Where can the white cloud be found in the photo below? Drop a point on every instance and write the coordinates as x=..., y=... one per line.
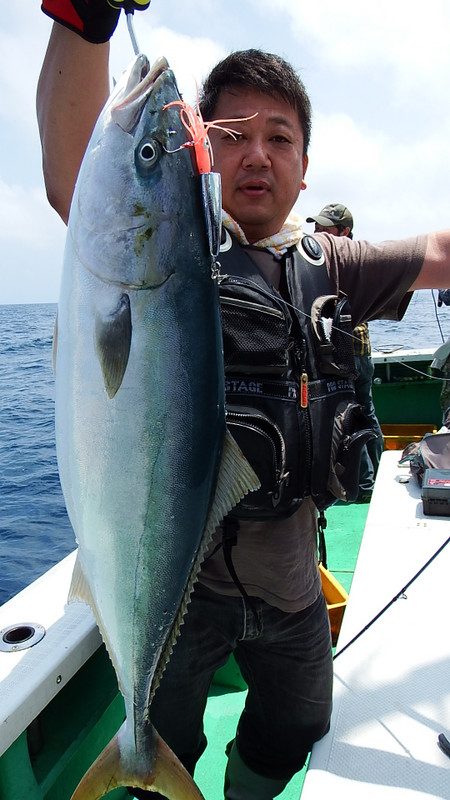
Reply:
x=22, y=48
x=379, y=76
x=32, y=244
x=190, y=57
x=393, y=190
x=27, y=217
x=31, y=234
x=406, y=35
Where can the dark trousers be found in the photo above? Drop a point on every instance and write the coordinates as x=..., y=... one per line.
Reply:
x=286, y=662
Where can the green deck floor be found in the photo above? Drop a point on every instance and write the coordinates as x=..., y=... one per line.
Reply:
x=343, y=536
x=57, y=761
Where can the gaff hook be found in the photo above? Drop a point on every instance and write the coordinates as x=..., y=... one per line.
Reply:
x=130, y=18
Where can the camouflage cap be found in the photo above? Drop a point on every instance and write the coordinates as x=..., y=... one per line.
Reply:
x=333, y=214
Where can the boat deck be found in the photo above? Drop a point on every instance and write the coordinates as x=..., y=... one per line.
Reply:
x=50, y=772
x=392, y=685
x=40, y=765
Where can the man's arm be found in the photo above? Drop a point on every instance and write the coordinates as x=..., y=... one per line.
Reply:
x=72, y=89
x=435, y=272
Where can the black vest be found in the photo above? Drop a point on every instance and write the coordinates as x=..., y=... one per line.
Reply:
x=289, y=382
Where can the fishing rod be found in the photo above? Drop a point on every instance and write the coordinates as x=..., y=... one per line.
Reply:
x=442, y=741
x=436, y=313
x=401, y=593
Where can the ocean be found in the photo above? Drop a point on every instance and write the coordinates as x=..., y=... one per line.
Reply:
x=35, y=532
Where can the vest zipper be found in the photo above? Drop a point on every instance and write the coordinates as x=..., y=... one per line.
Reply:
x=300, y=360
x=236, y=302
x=270, y=293
x=304, y=399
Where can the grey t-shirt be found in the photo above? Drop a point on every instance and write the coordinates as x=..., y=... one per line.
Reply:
x=276, y=560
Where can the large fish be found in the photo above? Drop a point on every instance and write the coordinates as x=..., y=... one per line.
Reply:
x=147, y=467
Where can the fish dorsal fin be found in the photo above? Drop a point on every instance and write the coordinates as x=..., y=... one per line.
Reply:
x=113, y=342
x=235, y=479
x=80, y=591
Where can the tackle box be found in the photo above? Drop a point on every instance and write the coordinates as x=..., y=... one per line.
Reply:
x=436, y=492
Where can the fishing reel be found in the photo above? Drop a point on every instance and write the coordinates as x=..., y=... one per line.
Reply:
x=129, y=6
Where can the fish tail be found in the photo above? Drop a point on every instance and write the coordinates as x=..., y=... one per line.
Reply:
x=166, y=776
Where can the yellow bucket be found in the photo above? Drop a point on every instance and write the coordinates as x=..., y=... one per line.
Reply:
x=336, y=598
x=397, y=436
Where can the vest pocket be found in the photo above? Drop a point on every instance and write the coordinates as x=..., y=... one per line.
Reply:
x=255, y=336
x=350, y=432
x=262, y=443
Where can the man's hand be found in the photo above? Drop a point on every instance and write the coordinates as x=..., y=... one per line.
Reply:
x=93, y=20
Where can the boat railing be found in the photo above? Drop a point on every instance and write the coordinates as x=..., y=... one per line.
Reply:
x=31, y=676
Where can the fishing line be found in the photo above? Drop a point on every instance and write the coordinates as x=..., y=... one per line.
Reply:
x=280, y=299
x=401, y=593
x=437, y=316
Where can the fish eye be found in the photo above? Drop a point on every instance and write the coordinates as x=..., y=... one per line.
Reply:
x=148, y=152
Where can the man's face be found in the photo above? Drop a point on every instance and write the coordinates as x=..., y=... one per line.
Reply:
x=333, y=230
x=262, y=171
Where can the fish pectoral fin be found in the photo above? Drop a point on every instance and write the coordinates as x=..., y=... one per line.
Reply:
x=113, y=342
x=110, y=770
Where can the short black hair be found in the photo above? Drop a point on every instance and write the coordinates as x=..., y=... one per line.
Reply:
x=342, y=228
x=267, y=73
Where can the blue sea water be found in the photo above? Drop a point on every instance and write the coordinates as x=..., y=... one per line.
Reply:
x=35, y=531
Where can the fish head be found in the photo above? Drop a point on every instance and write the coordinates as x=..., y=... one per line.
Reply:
x=138, y=196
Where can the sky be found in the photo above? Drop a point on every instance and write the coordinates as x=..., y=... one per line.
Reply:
x=378, y=75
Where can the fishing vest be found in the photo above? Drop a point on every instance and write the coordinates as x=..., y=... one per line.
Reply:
x=289, y=372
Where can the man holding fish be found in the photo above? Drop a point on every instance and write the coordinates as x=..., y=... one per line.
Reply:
x=289, y=303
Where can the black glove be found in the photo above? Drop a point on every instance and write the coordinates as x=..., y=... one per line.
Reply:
x=444, y=297
x=93, y=20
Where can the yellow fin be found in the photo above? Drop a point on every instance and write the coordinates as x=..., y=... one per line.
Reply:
x=167, y=776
